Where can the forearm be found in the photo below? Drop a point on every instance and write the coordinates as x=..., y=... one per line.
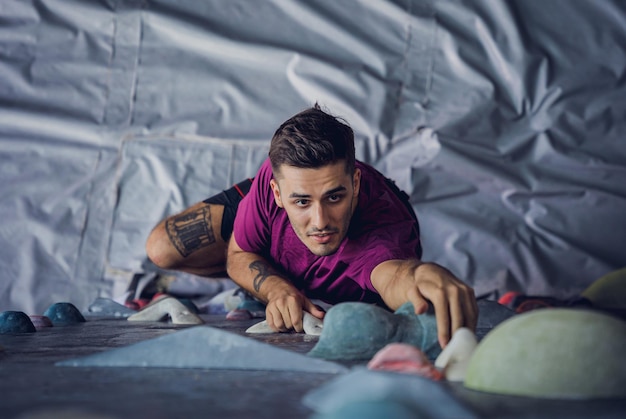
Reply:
x=394, y=279
x=189, y=241
x=255, y=274
x=284, y=302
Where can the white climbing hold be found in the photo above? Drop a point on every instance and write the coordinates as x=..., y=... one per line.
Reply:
x=455, y=357
x=165, y=307
x=311, y=324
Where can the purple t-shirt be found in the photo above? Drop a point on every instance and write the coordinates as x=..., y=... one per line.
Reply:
x=382, y=228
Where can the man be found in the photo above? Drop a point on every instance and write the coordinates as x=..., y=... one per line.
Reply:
x=314, y=224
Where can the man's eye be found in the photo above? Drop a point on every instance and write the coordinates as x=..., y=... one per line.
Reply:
x=334, y=198
x=301, y=202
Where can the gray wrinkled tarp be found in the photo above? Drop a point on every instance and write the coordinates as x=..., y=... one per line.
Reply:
x=504, y=120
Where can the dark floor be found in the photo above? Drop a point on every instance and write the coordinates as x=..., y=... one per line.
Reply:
x=31, y=386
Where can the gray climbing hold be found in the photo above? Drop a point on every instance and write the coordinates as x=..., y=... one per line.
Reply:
x=206, y=347
x=311, y=324
x=164, y=308
x=62, y=314
x=15, y=322
x=491, y=313
x=105, y=307
x=356, y=331
x=425, y=398
x=225, y=301
x=189, y=304
x=260, y=328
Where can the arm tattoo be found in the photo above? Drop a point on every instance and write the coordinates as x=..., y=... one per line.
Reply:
x=190, y=232
x=264, y=270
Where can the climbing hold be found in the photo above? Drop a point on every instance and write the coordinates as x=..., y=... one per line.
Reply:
x=356, y=331
x=609, y=291
x=62, y=314
x=189, y=304
x=209, y=348
x=424, y=398
x=106, y=307
x=251, y=305
x=40, y=322
x=238, y=314
x=455, y=357
x=15, y=322
x=311, y=325
x=371, y=409
x=404, y=358
x=553, y=353
x=164, y=308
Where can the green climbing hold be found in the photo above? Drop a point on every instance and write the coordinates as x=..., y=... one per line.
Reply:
x=553, y=353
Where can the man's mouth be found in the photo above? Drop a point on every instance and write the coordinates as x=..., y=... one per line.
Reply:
x=322, y=238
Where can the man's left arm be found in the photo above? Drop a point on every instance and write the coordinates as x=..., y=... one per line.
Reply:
x=400, y=281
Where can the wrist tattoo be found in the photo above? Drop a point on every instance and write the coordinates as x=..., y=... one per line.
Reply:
x=264, y=271
x=190, y=232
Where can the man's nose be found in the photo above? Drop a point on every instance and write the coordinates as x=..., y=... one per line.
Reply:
x=320, y=217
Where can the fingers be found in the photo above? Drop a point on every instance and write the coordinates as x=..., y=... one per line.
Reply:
x=269, y=318
x=277, y=319
x=315, y=310
x=295, y=317
x=284, y=315
x=420, y=305
x=454, y=303
x=471, y=309
x=463, y=306
x=457, y=309
x=439, y=299
x=442, y=315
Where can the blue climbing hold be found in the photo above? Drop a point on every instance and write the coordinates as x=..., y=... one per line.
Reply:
x=251, y=305
x=15, y=322
x=356, y=331
x=62, y=314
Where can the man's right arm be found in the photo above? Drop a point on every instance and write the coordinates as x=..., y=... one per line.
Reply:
x=189, y=241
x=284, y=301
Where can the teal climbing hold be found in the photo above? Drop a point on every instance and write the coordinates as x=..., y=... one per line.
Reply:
x=61, y=314
x=15, y=322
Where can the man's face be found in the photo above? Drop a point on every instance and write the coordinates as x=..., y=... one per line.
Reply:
x=319, y=203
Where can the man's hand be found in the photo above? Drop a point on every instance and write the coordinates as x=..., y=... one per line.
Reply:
x=454, y=302
x=284, y=302
x=284, y=308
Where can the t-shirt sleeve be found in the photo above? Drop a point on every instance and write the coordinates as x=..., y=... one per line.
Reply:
x=252, y=221
x=386, y=231
x=389, y=242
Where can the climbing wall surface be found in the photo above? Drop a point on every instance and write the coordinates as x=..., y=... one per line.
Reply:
x=504, y=121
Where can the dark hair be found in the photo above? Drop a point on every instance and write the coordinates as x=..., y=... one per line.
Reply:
x=312, y=139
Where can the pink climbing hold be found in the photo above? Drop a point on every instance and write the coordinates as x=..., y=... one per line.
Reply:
x=239, y=314
x=404, y=358
x=41, y=322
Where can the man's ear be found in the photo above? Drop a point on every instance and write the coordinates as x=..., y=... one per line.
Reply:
x=356, y=182
x=276, y=191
